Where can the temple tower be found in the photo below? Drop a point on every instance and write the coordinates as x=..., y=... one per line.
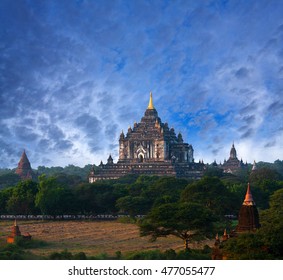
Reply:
x=151, y=147
x=24, y=168
x=233, y=164
x=248, y=216
x=151, y=140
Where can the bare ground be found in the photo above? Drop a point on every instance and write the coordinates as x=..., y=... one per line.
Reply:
x=91, y=237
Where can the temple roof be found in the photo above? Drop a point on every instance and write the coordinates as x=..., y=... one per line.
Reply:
x=24, y=168
x=24, y=158
x=249, y=198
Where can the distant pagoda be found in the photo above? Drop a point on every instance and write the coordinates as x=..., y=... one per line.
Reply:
x=150, y=147
x=248, y=219
x=233, y=164
x=24, y=168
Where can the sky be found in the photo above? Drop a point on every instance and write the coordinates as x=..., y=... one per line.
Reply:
x=74, y=74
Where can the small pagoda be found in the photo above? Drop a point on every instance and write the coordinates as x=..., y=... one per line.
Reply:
x=248, y=220
x=17, y=233
x=24, y=169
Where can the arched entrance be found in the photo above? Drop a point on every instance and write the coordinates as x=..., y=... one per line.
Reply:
x=141, y=158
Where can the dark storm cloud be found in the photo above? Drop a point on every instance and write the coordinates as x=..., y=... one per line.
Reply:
x=216, y=139
x=127, y=114
x=270, y=144
x=242, y=73
x=25, y=134
x=44, y=145
x=95, y=145
x=111, y=131
x=251, y=107
x=7, y=148
x=4, y=130
x=113, y=148
x=63, y=145
x=250, y=119
x=105, y=103
x=9, y=154
x=276, y=107
x=89, y=124
x=249, y=132
x=54, y=132
x=215, y=151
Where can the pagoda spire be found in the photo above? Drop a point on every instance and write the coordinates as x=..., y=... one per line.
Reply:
x=249, y=198
x=24, y=169
x=150, y=104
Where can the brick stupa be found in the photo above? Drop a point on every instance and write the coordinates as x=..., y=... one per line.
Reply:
x=16, y=233
x=248, y=220
x=24, y=168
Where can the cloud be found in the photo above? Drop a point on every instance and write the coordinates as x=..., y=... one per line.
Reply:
x=276, y=107
x=25, y=134
x=242, y=73
x=89, y=124
x=270, y=144
x=248, y=133
x=63, y=145
x=111, y=131
x=75, y=73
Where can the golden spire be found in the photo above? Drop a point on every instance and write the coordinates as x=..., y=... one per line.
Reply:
x=150, y=104
x=248, y=198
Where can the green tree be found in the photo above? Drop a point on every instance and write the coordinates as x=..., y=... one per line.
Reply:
x=264, y=182
x=213, y=171
x=132, y=205
x=187, y=221
x=164, y=190
x=211, y=192
x=97, y=198
x=9, y=179
x=262, y=174
x=272, y=224
x=4, y=197
x=246, y=246
x=53, y=198
x=22, y=200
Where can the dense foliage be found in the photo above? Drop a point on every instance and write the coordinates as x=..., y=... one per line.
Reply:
x=184, y=208
x=184, y=220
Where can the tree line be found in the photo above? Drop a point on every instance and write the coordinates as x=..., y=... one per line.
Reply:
x=184, y=208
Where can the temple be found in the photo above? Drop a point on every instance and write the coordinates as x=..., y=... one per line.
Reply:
x=24, y=168
x=248, y=219
x=150, y=147
x=233, y=164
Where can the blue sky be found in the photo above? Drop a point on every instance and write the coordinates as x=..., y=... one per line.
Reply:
x=73, y=74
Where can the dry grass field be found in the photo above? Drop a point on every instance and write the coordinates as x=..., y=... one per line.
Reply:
x=91, y=237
